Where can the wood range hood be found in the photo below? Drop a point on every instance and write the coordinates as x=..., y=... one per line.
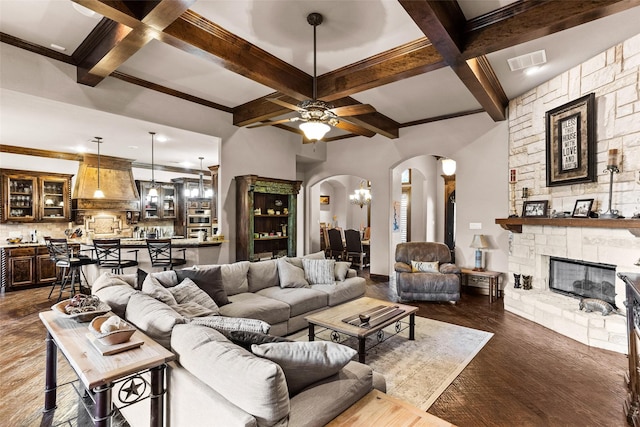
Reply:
x=116, y=182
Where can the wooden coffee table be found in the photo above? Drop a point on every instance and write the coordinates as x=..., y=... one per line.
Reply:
x=380, y=409
x=333, y=319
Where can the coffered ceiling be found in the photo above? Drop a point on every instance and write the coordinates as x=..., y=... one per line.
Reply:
x=413, y=61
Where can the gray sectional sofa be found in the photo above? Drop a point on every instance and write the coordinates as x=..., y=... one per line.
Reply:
x=199, y=313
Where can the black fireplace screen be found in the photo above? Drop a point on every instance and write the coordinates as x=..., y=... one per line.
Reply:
x=582, y=279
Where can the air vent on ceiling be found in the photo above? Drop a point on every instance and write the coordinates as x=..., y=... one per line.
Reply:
x=528, y=60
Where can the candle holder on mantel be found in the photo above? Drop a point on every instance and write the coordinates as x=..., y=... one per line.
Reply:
x=512, y=184
x=612, y=168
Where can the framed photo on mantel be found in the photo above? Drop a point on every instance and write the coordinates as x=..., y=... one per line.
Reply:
x=571, y=142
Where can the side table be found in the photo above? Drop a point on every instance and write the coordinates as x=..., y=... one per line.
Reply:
x=98, y=373
x=490, y=277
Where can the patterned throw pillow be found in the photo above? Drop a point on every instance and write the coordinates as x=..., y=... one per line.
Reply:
x=319, y=271
x=425, y=266
x=227, y=324
x=188, y=291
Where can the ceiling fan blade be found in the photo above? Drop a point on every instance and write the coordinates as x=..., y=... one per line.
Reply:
x=358, y=130
x=285, y=104
x=353, y=110
x=274, y=122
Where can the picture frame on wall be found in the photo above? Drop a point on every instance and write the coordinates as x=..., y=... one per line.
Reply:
x=582, y=208
x=535, y=209
x=570, y=142
x=324, y=200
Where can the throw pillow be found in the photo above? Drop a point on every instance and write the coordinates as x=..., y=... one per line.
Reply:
x=188, y=291
x=209, y=280
x=315, y=255
x=152, y=287
x=234, y=277
x=262, y=274
x=228, y=324
x=290, y=275
x=424, y=266
x=141, y=275
x=319, y=271
x=190, y=309
x=245, y=339
x=305, y=363
x=341, y=270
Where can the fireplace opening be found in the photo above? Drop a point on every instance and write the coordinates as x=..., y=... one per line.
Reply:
x=581, y=279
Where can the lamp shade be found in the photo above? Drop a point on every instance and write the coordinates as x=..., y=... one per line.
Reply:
x=314, y=130
x=479, y=242
x=448, y=166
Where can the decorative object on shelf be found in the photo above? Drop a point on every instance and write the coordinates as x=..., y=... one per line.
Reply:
x=571, y=144
x=612, y=167
x=535, y=209
x=278, y=203
x=526, y=282
x=153, y=191
x=582, y=208
x=361, y=196
x=324, y=200
x=479, y=242
x=516, y=281
x=512, y=183
x=98, y=194
x=318, y=116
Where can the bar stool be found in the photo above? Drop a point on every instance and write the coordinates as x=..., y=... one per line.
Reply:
x=108, y=255
x=161, y=255
x=71, y=265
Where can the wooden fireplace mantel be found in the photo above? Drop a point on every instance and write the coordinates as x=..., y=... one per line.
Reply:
x=515, y=224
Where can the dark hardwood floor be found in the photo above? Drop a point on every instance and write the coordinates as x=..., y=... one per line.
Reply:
x=526, y=375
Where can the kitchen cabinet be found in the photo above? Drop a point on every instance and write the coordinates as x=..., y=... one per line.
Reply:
x=266, y=211
x=29, y=196
x=27, y=266
x=162, y=206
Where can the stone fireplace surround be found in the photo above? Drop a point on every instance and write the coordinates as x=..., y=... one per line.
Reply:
x=529, y=254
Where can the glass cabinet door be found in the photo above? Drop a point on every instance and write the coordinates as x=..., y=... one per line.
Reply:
x=168, y=201
x=21, y=200
x=149, y=203
x=53, y=200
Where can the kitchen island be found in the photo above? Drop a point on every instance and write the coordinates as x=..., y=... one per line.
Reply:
x=28, y=264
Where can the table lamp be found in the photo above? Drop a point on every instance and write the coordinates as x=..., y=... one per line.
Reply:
x=479, y=242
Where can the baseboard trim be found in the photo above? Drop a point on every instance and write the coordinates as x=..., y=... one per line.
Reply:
x=379, y=277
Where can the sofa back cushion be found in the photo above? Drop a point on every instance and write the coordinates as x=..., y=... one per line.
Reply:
x=422, y=251
x=152, y=317
x=263, y=274
x=115, y=290
x=256, y=385
x=234, y=277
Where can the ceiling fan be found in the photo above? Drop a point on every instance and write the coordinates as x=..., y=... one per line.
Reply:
x=318, y=116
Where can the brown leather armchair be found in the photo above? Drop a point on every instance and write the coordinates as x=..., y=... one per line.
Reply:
x=442, y=284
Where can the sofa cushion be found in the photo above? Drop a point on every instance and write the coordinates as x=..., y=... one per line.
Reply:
x=304, y=363
x=299, y=300
x=351, y=288
x=209, y=279
x=318, y=405
x=234, y=277
x=188, y=291
x=114, y=290
x=256, y=385
x=424, y=266
x=263, y=274
x=341, y=269
x=246, y=339
x=153, y=317
x=256, y=306
x=319, y=271
x=152, y=287
x=190, y=309
x=290, y=275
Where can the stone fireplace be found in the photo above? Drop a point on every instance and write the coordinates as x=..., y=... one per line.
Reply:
x=582, y=279
x=530, y=254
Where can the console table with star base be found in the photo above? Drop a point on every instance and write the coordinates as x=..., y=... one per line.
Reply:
x=98, y=374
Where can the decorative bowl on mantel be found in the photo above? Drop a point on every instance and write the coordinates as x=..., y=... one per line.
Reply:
x=14, y=240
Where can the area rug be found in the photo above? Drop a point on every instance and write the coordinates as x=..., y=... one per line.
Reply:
x=419, y=371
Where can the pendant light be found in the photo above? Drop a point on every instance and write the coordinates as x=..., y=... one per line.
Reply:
x=153, y=191
x=98, y=194
x=201, y=180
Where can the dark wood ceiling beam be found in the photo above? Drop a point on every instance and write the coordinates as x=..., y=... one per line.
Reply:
x=402, y=62
x=524, y=21
x=443, y=23
x=261, y=109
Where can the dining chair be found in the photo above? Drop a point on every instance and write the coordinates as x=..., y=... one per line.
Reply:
x=108, y=255
x=336, y=247
x=355, y=252
x=161, y=254
x=71, y=265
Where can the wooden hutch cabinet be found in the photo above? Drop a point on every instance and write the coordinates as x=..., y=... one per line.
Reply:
x=266, y=217
x=162, y=206
x=35, y=196
x=27, y=266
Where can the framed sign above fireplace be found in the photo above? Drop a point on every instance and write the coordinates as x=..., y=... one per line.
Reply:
x=571, y=144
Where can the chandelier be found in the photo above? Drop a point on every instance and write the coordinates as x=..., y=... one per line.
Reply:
x=361, y=196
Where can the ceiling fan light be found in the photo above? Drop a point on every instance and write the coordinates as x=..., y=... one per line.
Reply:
x=314, y=131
